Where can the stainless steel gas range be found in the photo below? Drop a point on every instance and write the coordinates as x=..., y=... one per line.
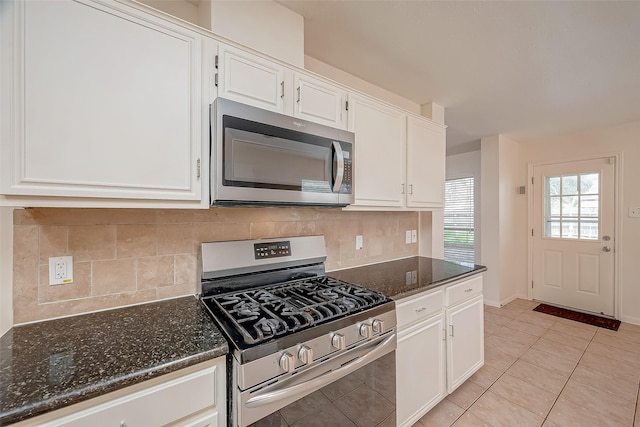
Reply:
x=292, y=329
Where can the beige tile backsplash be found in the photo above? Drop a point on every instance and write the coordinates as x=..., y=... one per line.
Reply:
x=128, y=256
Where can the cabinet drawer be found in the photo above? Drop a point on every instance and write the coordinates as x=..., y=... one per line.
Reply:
x=411, y=310
x=157, y=405
x=464, y=290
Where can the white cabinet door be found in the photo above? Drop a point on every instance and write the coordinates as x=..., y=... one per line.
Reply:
x=252, y=80
x=425, y=163
x=107, y=103
x=465, y=341
x=420, y=370
x=379, y=152
x=319, y=101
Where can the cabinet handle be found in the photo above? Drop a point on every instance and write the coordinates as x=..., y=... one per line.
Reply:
x=410, y=188
x=298, y=100
x=282, y=87
x=421, y=309
x=451, y=327
x=402, y=189
x=468, y=290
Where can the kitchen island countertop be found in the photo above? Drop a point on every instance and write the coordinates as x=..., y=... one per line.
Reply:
x=408, y=276
x=52, y=364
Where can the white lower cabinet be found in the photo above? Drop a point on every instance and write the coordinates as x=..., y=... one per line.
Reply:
x=440, y=345
x=420, y=369
x=194, y=397
x=465, y=341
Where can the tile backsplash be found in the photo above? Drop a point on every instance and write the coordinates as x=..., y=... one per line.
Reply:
x=128, y=256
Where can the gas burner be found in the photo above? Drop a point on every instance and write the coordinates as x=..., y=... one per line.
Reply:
x=271, y=311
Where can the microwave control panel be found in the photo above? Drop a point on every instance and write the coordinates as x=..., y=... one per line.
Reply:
x=272, y=249
x=348, y=177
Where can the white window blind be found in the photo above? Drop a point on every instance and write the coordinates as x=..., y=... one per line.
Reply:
x=459, y=240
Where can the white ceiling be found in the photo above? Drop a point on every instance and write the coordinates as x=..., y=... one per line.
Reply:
x=520, y=68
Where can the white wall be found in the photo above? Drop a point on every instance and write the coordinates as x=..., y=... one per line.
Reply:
x=265, y=26
x=624, y=139
x=462, y=166
x=501, y=246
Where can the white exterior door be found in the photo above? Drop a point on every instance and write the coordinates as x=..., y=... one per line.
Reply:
x=573, y=234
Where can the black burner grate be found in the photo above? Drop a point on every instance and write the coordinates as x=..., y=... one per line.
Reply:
x=268, y=312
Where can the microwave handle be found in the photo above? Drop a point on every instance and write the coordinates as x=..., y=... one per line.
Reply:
x=338, y=155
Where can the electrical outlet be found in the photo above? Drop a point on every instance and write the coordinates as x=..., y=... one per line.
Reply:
x=359, y=242
x=414, y=236
x=60, y=270
x=407, y=238
x=634, y=212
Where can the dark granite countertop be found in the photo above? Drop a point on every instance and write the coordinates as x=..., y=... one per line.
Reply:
x=52, y=364
x=405, y=277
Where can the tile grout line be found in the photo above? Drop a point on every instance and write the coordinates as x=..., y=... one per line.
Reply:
x=568, y=379
x=501, y=375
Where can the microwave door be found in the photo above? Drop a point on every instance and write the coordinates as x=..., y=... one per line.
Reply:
x=264, y=168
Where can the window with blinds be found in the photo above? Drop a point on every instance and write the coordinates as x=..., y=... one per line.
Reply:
x=458, y=221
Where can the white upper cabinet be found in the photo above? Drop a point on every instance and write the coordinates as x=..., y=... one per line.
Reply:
x=385, y=177
x=379, y=153
x=107, y=103
x=425, y=163
x=253, y=80
x=262, y=83
x=319, y=101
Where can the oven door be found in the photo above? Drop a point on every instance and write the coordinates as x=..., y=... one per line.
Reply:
x=358, y=383
x=264, y=157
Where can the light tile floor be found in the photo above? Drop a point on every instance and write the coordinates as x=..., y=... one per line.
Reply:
x=545, y=370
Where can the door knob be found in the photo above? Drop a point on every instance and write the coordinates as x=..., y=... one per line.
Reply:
x=606, y=249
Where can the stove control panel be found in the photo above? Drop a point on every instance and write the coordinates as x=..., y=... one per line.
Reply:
x=272, y=249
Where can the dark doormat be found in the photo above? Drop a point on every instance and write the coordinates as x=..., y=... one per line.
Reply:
x=590, y=319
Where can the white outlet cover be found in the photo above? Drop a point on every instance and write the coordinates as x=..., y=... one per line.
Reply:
x=60, y=270
x=359, y=242
x=634, y=212
x=414, y=236
x=407, y=238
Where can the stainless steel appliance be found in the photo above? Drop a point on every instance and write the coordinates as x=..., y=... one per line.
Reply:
x=292, y=330
x=262, y=157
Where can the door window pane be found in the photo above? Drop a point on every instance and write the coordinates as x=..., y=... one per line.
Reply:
x=589, y=206
x=554, y=206
x=570, y=184
x=553, y=186
x=569, y=206
x=589, y=183
x=572, y=206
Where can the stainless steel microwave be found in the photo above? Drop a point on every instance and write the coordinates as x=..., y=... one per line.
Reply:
x=262, y=157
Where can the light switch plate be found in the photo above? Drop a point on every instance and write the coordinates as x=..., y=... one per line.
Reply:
x=407, y=238
x=359, y=242
x=414, y=236
x=634, y=212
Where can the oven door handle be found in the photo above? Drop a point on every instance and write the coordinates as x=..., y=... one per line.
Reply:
x=301, y=386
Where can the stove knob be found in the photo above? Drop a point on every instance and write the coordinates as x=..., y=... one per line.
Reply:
x=338, y=341
x=378, y=326
x=305, y=354
x=287, y=362
x=365, y=330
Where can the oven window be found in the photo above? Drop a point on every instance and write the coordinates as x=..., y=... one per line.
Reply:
x=366, y=397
